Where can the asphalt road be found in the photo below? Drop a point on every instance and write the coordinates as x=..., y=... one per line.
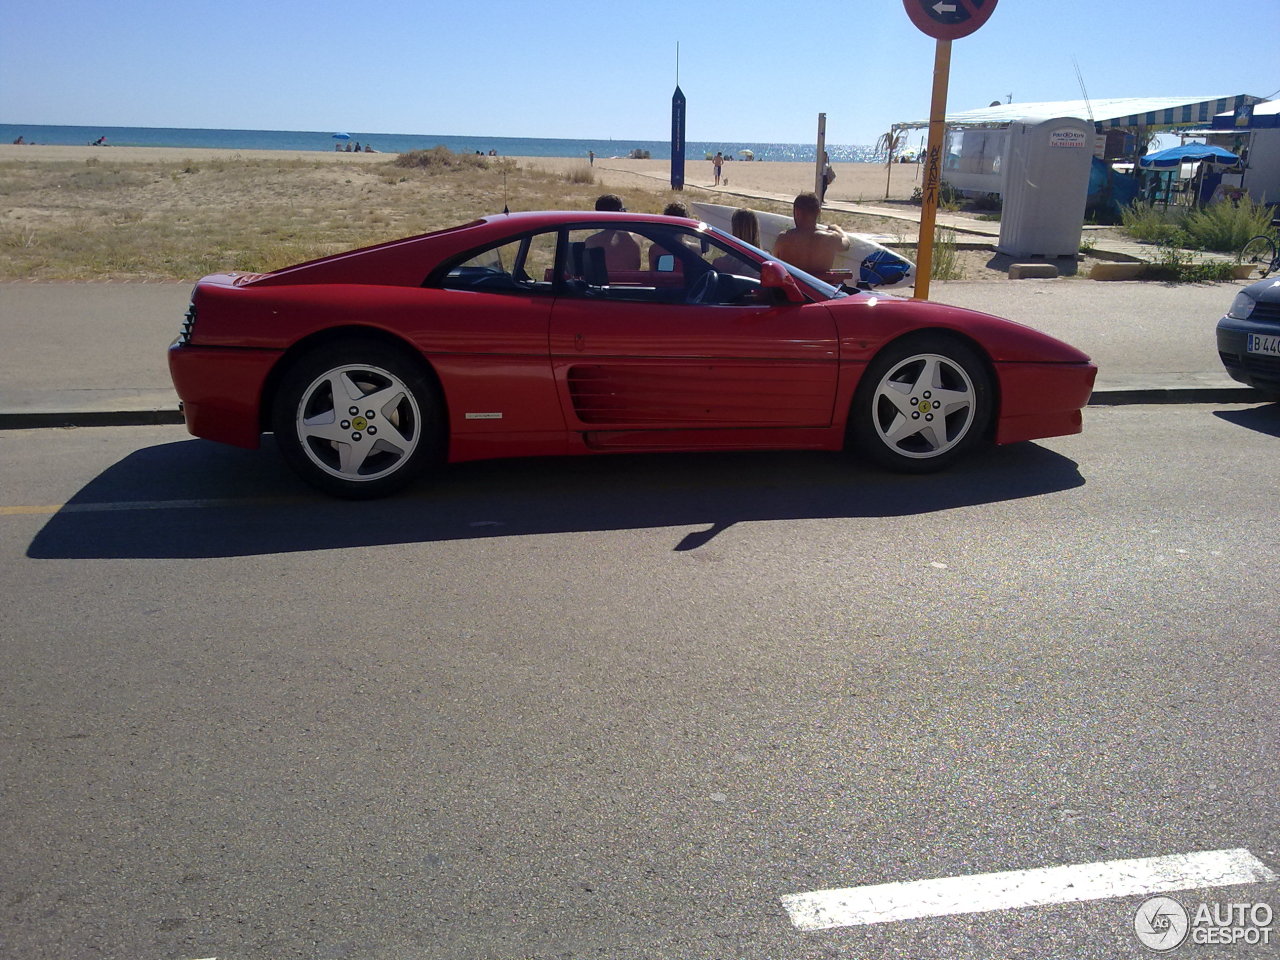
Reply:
x=620, y=707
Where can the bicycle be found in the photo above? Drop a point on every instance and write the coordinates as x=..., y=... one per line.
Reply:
x=1261, y=252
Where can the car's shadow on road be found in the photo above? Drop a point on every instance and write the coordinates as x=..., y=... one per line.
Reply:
x=197, y=499
x=1264, y=419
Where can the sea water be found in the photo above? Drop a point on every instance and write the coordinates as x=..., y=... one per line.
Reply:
x=403, y=142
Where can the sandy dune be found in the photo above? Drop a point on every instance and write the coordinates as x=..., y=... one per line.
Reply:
x=854, y=181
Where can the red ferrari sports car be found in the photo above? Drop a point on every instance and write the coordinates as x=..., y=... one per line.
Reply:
x=531, y=334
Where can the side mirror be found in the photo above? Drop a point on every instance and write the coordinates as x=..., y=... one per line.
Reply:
x=667, y=263
x=774, y=276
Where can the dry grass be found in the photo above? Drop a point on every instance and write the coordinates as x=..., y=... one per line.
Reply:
x=89, y=220
x=170, y=219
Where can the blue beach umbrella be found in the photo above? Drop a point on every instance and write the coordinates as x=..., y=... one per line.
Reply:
x=342, y=136
x=1187, y=153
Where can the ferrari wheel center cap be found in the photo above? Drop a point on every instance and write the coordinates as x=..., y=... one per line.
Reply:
x=359, y=423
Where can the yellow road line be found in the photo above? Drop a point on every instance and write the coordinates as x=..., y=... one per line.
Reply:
x=118, y=506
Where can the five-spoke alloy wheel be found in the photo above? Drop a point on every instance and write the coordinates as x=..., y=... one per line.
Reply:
x=921, y=404
x=357, y=419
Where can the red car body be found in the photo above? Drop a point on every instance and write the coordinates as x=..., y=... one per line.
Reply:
x=545, y=363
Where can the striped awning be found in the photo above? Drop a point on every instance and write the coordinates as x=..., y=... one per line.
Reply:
x=1178, y=115
x=1150, y=112
x=1262, y=116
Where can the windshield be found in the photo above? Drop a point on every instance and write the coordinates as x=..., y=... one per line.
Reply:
x=820, y=286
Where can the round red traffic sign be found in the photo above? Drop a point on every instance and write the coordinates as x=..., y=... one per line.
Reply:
x=949, y=19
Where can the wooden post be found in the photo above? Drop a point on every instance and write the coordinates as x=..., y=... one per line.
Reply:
x=933, y=167
x=822, y=149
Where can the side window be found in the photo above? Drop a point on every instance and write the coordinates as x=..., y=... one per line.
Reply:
x=605, y=256
x=523, y=266
x=725, y=261
x=655, y=263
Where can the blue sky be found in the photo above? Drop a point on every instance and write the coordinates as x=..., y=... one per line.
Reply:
x=752, y=71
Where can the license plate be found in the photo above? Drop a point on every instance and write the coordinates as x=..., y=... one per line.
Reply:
x=1268, y=345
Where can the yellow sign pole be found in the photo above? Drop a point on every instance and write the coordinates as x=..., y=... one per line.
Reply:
x=933, y=167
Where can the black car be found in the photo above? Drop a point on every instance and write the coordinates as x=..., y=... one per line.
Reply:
x=1249, y=336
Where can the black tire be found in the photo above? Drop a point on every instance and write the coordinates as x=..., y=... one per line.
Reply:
x=1260, y=252
x=922, y=403
x=395, y=431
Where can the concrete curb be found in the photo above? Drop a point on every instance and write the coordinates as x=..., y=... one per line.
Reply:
x=22, y=420
x=1117, y=396
x=1106, y=397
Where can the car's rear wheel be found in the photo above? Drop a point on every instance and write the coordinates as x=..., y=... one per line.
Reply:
x=922, y=403
x=357, y=419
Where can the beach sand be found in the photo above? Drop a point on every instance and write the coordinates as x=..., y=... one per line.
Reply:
x=314, y=208
x=54, y=152
x=854, y=181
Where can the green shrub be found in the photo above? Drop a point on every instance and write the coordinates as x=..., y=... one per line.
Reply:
x=580, y=175
x=1227, y=226
x=949, y=198
x=1143, y=221
x=439, y=158
x=946, y=262
x=1178, y=266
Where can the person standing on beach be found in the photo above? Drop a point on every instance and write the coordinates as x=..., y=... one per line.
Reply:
x=717, y=162
x=810, y=247
x=828, y=175
x=591, y=158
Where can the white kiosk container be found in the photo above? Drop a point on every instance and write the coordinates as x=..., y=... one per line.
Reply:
x=1046, y=185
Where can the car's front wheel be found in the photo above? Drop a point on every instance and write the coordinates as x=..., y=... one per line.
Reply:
x=357, y=419
x=921, y=404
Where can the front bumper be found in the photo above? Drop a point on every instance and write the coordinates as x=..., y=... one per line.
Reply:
x=1039, y=400
x=221, y=390
x=1259, y=371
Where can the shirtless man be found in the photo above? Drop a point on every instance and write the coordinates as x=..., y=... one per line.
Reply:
x=621, y=252
x=811, y=248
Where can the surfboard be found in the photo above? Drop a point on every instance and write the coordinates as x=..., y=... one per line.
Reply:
x=868, y=258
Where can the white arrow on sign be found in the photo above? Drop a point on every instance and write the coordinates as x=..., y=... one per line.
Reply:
x=941, y=8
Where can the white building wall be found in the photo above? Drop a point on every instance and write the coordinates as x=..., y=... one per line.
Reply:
x=1262, y=176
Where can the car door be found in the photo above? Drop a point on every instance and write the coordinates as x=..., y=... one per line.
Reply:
x=487, y=338
x=683, y=346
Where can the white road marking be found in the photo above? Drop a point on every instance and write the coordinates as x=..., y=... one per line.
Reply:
x=887, y=902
